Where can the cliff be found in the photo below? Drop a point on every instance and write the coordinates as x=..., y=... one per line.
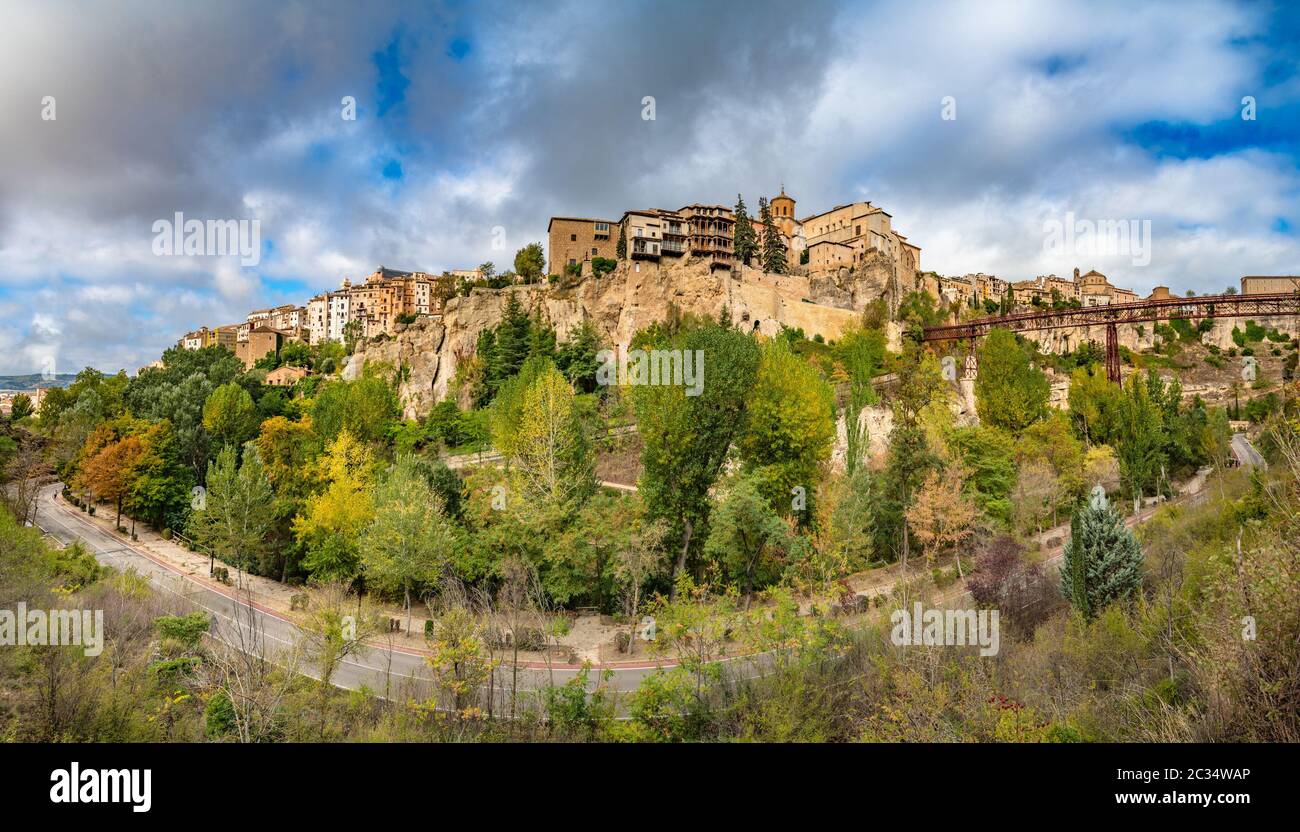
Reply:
x=619, y=304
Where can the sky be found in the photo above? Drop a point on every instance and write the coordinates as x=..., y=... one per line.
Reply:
x=975, y=125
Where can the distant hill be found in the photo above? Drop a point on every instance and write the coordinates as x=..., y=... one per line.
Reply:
x=35, y=380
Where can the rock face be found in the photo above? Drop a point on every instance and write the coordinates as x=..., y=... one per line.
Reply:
x=416, y=352
x=1220, y=335
x=618, y=304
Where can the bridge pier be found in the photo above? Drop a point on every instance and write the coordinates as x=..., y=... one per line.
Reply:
x=1112, y=353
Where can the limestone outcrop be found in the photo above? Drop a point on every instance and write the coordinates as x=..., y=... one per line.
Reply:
x=416, y=353
x=618, y=304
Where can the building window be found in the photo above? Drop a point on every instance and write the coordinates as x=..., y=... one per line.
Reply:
x=573, y=238
x=595, y=250
x=602, y=227
x=572, y=261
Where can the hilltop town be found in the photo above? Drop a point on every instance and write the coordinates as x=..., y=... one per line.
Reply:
x=772, y=270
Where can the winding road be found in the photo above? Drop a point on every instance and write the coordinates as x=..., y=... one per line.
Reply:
x=393, y=671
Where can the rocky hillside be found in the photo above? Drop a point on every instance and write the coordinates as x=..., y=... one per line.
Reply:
x=619, y=304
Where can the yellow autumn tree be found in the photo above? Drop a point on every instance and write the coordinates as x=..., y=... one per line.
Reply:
x=331, y=523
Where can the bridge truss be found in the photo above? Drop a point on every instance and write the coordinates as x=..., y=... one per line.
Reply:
x=1162, y=309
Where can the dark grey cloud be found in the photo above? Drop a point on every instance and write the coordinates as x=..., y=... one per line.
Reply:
x=510, y=112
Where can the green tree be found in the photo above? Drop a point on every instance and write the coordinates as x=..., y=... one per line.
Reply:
x=507, y=409
x=920, y=309
x=458, y=660
x=1010, y=392
x=410, y=540
x=852, y=526
x=747, y=538
x=1052, y=441
x=20, y=408
x=774, y=254
x=790, y=429
x=910, y=455
x=1094, y=405
x=1141, y=438
x=620, y=248
x=550, y=451
x=578, y=358
x=365, y=408
x=686, y=439
x=1103, y=561
x=235, y=516
x=989, y=454
x=160, y=488
x=529, y=262
x=504, y=348
x=744, y=243
x=230, y=416
x=640, y=559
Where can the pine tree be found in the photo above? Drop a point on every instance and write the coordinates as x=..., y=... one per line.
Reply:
x=745, y=243
x=1103, y=561
x=620, y=251
x=773, y=247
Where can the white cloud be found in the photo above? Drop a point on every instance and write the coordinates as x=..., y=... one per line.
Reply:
x=234, y=113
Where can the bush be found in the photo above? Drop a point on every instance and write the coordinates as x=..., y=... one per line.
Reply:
x=943, y=578
x=186, y=629
x=219, y=716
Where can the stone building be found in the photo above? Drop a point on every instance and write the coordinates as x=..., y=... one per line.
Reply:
x=262, y=341
x=1269, y=284
x=571, y=241
x=849, y=233
x=864, y=228
x=644, y=231
x=827, y=256
x=318, y=316
x=286, y=376
x=375, y=306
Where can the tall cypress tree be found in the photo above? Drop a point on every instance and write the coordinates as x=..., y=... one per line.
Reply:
x=773, y=247
x=745, y=243
x=510, y=345
x=1103, y=561
x=620, y=251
